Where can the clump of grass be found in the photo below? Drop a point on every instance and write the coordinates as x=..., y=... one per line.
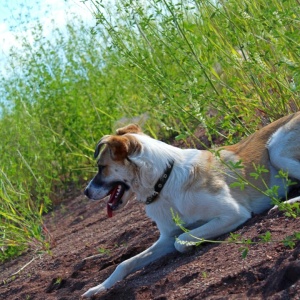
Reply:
x=54, y=110
x=229, y=66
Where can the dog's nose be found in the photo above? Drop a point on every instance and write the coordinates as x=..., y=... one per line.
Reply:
x=86, y=192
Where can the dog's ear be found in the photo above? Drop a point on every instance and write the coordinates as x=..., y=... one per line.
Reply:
x=99, y=146
x=120, y=147
x=131, y=128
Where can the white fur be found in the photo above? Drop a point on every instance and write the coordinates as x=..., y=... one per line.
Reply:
x=198, y=191
x=284, y=150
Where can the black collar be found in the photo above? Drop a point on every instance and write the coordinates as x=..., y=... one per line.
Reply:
x=160, y=183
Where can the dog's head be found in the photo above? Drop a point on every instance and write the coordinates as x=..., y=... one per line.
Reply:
x=116, y=172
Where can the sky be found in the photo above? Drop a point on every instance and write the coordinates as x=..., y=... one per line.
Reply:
x=51, y=13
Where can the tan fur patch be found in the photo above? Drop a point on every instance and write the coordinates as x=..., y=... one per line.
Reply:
x=131, y=128
x=205, y=175
x=121, y=146
x=252, y=151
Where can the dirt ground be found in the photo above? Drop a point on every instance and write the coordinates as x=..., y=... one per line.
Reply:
x=87, y=246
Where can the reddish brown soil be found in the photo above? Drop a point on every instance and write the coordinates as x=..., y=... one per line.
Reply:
x=87, y=246
x=81, y=230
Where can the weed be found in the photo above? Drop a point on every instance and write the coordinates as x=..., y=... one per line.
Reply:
x=104, y=251
x=58, y=281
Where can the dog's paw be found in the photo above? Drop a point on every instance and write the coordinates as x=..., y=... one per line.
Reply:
x=93, y=291
x=184, y=244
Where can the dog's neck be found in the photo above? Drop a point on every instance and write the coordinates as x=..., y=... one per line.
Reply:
x=160, y=183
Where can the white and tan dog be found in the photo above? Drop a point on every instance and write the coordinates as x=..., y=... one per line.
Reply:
x=193, y=184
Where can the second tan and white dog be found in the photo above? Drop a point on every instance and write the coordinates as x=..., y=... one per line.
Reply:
x=193, y=184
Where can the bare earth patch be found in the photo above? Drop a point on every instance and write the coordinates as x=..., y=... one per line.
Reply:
x=81, y=230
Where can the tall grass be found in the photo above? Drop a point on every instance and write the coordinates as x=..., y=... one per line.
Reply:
x=229, y=66
x=58, y=101
x=224, y=65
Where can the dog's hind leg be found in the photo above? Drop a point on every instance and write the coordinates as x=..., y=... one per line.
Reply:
x=162, y=247
x=284, y=148
x=284, y=151
x=290, y=201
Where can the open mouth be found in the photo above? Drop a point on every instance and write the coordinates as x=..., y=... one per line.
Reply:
x=115, y=198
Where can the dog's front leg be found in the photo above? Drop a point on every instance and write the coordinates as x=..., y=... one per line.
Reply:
x=211, y=229
x=162, y=247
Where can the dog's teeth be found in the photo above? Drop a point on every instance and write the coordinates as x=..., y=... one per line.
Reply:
x=118, y=191
x=110, y=204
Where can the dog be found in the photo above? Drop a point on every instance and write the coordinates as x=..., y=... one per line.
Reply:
x=195, y=185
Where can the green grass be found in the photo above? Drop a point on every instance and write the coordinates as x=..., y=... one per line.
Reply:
x=229, y=67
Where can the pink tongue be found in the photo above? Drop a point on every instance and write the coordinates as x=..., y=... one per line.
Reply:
x=111, y=201
x=109, y=211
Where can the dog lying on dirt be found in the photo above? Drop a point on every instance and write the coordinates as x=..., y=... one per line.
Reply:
x=195, y=185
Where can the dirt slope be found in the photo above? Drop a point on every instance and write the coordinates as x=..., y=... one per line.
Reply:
x=87, y=246
x=81, y=229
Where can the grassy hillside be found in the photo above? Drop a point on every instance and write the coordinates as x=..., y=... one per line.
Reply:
x=229, y=67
